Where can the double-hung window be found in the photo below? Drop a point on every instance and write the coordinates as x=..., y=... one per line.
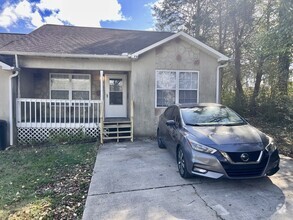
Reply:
x=176, y=87
x=70, y=86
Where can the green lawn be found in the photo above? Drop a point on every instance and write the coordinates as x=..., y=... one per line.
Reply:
x=49, y=182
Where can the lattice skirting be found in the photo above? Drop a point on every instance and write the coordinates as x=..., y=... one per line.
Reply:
x=40, y=135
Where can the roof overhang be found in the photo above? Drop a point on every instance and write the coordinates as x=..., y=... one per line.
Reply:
x=188, y=38
x=5, y=66
x=63, y=55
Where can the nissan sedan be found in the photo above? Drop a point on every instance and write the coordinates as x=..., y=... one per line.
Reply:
x=212, y=140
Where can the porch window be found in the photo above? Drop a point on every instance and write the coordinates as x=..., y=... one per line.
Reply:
x=176, y=87
x=70, y=86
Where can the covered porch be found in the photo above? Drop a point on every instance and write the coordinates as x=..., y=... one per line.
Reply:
x=51, y=102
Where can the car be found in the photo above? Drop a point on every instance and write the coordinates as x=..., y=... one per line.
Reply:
x=211, y=140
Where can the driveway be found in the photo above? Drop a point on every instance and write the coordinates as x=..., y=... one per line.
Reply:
x=140, y=181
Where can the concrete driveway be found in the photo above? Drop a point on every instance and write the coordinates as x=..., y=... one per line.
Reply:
x=140, y=181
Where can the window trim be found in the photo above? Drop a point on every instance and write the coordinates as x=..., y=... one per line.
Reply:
x=70, y=89
x=177, y=85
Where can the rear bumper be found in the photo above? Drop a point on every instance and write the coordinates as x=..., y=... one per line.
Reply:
x=217, y=166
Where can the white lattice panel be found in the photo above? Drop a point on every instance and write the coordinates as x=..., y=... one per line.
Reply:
x=39, y=135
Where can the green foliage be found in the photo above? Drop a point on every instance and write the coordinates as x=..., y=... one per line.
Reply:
x=270, y=107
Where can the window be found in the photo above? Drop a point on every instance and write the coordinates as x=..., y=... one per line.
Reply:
x=176, y=87
x=116, y=91
x=70, y=86
x=166, y=88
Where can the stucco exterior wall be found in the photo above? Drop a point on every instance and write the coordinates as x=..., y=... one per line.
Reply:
x=4, y=97
x=174, y=55
x=35, y=83
x=27, y=84
x=143, y=94
x=74, y=63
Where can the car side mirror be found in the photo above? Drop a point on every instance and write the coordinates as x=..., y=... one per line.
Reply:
x=170, y=123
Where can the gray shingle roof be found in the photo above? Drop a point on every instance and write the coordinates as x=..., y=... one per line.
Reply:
x=6, y=38
x=84, y=40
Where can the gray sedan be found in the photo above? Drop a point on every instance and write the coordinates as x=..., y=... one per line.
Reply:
x=213, y=141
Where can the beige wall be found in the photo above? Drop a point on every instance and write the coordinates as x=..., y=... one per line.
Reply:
x=4, y=97
x=74, y=63
x=143, y=94
x=174, y=55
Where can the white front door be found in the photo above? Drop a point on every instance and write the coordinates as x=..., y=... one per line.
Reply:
x=115, y=95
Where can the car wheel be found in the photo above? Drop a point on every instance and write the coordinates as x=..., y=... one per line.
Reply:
x=181, y=163
x=159, y=140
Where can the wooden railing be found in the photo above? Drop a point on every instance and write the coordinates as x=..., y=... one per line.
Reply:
x=54, y=113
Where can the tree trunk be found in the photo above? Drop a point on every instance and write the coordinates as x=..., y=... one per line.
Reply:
x=283, y=77
x=237, y=72
x=284, y=54
x=259, y=74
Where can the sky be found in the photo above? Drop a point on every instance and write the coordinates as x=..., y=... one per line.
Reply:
x=24, y=16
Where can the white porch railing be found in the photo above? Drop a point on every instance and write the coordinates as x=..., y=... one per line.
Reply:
x=57, y=113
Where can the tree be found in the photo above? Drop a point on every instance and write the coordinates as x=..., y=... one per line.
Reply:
x=191, y=16
x=284, y=34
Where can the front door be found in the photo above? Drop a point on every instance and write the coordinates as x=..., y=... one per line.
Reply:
x=115, y=95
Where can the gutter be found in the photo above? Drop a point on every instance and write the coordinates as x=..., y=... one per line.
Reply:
x=218, y=82
x=123, y=56
x=11, y=99
x=4, y=66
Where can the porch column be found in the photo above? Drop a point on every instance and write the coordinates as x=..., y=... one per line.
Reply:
x=102, y=85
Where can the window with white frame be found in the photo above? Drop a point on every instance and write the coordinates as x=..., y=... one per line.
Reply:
x=70, y=86
x=176, y=87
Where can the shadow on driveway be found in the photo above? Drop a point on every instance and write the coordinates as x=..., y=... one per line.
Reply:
x=140, y=181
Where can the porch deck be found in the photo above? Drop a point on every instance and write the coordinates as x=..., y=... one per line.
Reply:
x=37, y=119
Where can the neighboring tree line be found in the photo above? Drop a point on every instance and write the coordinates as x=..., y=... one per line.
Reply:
x=256, y=34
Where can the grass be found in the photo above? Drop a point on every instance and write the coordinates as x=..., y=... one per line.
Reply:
x=45, y=182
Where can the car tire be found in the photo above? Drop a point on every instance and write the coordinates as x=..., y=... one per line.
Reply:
x=181, y=163
x=159, y=140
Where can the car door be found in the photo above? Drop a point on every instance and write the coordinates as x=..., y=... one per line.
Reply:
x=173, y=131
x=164, y=132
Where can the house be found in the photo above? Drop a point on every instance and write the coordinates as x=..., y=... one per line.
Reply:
x=103, y=81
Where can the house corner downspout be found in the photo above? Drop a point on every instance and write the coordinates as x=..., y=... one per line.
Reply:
x=11, y=99
x=218, y=82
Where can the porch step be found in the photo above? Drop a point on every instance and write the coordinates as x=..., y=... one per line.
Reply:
x=117, y=130
x=118, y=126
x=115, y=138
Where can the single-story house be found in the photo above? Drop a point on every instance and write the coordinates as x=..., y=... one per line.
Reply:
x=106, y=82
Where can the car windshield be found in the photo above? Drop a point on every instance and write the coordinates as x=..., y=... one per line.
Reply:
x=210, y=115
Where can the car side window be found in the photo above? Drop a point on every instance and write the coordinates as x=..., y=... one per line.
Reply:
x=168, y=113
x=176, y=116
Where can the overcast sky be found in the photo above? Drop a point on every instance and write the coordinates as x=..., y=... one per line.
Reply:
x=23, y=16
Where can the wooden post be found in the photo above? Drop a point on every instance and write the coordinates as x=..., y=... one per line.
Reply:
x=102, y=122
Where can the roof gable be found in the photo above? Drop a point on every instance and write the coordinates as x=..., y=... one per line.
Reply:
x=188, y=38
